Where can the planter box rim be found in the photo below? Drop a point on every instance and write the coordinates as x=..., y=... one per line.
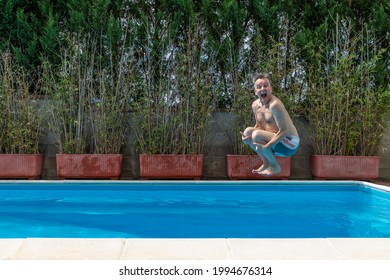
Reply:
x=187, y=155
x=87, y=154
x=234, y=155
x=343, y=156
x=15, y=154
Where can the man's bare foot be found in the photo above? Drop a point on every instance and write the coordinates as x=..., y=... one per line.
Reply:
x=260, y=169
x=272, y=170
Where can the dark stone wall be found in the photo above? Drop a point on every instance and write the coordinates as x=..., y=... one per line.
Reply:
x=217, y=146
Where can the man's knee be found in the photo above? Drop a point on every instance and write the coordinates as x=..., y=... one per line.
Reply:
x=249, y=131
x=257, y=135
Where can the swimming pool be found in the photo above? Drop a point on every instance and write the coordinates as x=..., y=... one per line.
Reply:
x=193, y=209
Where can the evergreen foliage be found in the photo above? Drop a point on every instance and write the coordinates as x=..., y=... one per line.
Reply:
x=307, y=45
x=20, y=125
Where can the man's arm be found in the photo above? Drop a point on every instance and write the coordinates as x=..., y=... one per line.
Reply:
x=247, y=139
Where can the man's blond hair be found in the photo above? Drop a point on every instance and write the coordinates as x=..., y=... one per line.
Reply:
x=262, y=76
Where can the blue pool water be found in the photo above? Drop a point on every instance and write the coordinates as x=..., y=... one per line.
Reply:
x=193, y=209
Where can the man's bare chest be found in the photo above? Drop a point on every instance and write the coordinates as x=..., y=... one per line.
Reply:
x=264, y=116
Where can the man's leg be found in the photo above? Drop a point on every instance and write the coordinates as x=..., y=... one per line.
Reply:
x=273, y=165
x=260, y=137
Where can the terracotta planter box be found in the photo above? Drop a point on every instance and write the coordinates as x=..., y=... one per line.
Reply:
x=97, y=166
x=21, y=166
x=170, y=166
x=241, y=166
x=345, y=167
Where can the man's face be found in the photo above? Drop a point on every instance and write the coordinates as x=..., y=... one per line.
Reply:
x=263, y=89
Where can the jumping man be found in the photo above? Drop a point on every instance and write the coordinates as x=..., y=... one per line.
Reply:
x=274, y=132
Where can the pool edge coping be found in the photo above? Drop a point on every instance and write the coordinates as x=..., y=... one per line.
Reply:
x=196, y=249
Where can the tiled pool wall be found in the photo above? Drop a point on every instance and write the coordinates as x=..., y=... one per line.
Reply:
x=217, y=146
x=217, y=184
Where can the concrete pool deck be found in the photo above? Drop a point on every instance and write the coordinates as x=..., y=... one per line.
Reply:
x=195, y=249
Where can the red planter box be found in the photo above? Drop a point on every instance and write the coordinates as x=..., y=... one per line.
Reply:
x=96, y=166
x=241, y=166
x=345, y=167
x=170, y=166
x=21, y=166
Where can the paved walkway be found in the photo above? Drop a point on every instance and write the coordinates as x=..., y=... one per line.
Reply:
x=195, y=249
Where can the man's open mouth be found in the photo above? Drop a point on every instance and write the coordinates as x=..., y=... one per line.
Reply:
x=263, y=95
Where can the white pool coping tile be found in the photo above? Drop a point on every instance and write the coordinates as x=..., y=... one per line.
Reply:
x=9, y=247
x=195, y=249
x=69, y=249
x=282, y=249
x=177, y=249
x=362, y=248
